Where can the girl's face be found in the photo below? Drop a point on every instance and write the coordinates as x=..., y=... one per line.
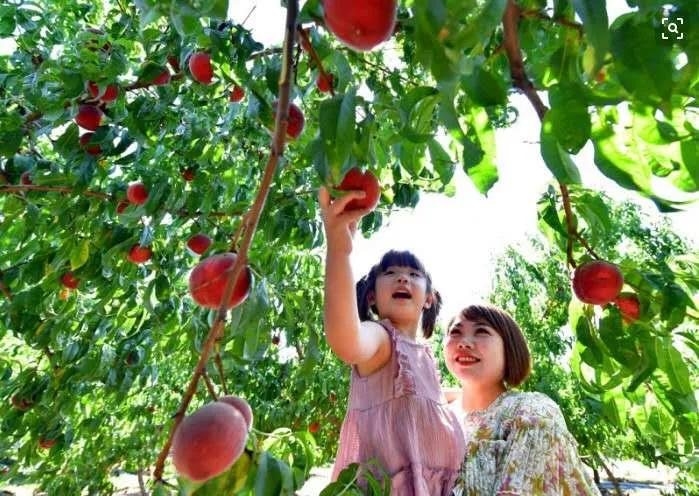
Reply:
x=400, y=294
x=475, y=353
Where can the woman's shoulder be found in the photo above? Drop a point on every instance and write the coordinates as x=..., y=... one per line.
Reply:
x=533, y=407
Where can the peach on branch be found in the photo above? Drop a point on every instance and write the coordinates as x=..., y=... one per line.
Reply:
x=325, y=84
x=26, y=178
x=241, y=405
x=209, y=441
x=208, y=280
x=89, y=117
x=296, y=120
x=188, y=174
x=237, y=94
x=200, y=67
x=199, y=243
x=111, y=92
x=629, y=307
x=139, y=254
x=20, y=403
x=70, y=281
x=46, y=443
x=314, y=427
x=360, y=24
x=137, y=193
x=364, y=181
x=121, y=206
x=91, y=149
x=597, y=282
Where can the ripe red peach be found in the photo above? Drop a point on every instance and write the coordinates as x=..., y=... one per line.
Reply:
x=208, y=280
x=360, y=24
x=209, y=441
x=597, y=282
x=200, y=67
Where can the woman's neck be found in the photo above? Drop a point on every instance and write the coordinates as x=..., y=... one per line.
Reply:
x=475, y=398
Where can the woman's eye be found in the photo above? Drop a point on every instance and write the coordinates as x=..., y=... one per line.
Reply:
x=482, y=331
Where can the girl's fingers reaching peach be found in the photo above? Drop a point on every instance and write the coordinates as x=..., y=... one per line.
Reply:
x=338, y=205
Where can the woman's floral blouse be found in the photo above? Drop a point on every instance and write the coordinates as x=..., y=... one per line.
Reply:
x=520, y=445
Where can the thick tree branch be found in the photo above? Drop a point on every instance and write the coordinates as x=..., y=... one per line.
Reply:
x=251, y=221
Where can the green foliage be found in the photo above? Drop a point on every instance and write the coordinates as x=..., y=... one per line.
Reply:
x=632, y=393
x=104, y=367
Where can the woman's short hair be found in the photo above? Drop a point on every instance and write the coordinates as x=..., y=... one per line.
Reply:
x=367, y=284
x=517, y=356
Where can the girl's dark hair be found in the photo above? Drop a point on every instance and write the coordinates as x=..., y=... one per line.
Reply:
x=367, y=284
x=517, y=357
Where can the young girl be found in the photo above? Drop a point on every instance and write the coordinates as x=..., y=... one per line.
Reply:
x=396, y=412
x=516, y=443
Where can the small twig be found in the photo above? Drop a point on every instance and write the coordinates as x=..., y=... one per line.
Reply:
x=248, y=16
x=4, y=289
x=299, y=351
x=56, y=189
x=559, y=20
x=314, y=56
x=569, y=221
x=587, y=246
x=209, y=385
x=219, y=367
x=238, y=232
x=264, y=53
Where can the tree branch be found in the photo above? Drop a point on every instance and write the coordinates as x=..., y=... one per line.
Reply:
x=314, y=56
x=559, y=20
x=251, y=219
x=222, y=375
x=520, y=80
x=56, y=189
x=510, y=22
x=4, y=289
x=209, y=385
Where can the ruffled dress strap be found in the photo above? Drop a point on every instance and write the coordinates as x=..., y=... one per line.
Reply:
x=404, y=383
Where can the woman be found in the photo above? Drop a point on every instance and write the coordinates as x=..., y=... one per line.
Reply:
x=517, y=443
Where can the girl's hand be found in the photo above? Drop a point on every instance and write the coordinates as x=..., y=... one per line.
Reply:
x=340, y=226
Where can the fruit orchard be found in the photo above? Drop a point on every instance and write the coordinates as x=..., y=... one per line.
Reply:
x=161, y=248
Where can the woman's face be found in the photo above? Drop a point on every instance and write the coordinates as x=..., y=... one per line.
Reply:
x=475, y=353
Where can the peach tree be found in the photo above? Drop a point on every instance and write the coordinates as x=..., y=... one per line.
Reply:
x=140, y=140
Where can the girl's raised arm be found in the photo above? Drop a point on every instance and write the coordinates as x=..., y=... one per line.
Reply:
x=351, y=342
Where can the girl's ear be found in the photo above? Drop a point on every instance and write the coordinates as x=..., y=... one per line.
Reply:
x=371, y=298
x=428, y=301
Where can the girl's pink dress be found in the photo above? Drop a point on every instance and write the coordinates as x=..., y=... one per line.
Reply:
x=399, y=416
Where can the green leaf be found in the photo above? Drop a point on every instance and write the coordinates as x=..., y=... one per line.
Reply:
x=79, y=254
x=595, y=24
x=479, y=161
x=442, y=162
x=268, y=480
x=10, y=141
x=555, y=158
x=337, y=131
x=674, y=365
x=484, y=88
x=645, y=65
